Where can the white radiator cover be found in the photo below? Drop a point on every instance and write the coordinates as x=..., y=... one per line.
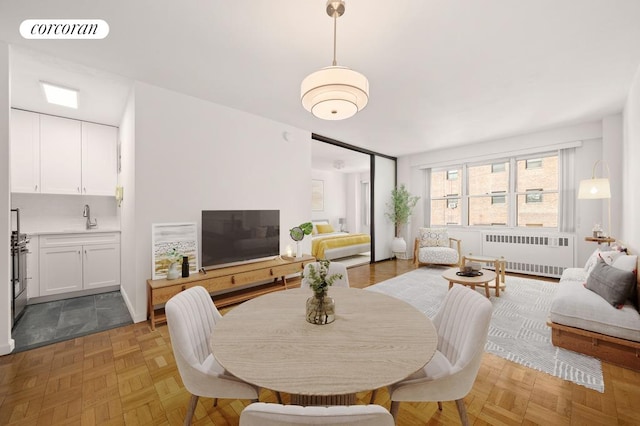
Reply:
x=545, y=255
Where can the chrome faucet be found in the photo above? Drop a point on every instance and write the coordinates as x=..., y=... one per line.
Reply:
x=86, y=212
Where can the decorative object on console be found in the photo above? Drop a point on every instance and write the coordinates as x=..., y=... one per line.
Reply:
x=170, y=242
x=335, y=92
x=399, y=211
x=174, y=256
x=297, y=234
x=597, y=189
x=185, y=266
x=321, y=308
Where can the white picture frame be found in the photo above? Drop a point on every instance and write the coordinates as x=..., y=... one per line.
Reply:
x=166, y=236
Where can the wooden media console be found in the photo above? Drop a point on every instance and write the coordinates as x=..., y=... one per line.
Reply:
x=229, y=285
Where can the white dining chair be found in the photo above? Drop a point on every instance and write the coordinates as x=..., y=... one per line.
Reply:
x=462, y=323
x=266, y=414
x=334, y=268
x=191, y=317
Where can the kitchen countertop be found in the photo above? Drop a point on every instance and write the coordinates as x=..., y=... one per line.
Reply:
x=70, y=231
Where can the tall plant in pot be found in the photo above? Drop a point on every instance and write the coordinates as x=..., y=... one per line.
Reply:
x=398, y=211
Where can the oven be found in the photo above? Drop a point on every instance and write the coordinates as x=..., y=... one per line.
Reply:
x=19, y=252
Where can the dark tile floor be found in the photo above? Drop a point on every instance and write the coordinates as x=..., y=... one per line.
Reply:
x=51, y=322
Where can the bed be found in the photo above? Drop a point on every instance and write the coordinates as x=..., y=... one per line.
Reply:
x=329, y=244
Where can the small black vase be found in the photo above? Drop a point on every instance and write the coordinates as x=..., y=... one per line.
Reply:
x=185, y=266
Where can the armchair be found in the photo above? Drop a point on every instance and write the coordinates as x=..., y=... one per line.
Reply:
x=434, y=247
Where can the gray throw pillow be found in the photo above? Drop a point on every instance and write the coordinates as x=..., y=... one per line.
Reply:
x=612, y=284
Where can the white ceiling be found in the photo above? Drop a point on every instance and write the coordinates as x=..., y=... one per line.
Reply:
x=441, y=73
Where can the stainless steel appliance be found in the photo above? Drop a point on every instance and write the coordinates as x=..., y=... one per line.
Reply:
x=19, y=251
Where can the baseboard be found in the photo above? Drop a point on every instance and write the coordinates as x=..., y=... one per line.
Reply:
x=135, y=318
x=7, y=348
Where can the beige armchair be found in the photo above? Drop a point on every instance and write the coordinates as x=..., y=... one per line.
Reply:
x=434, y=247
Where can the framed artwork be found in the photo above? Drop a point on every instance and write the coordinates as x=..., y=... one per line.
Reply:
x=167, y=237
x=317, y=195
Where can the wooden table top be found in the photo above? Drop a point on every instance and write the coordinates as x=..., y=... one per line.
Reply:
x=450, y=275
x=376, y=340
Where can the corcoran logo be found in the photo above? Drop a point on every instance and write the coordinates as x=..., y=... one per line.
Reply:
x=64, y=28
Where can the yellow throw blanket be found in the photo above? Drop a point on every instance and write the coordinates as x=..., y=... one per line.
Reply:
x=320, y=244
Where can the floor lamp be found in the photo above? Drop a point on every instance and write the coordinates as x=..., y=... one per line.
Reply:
x=597, y=189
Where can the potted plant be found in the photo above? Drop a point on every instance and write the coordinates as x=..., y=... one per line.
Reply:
x=399, y=211
x=297, y=234
x=173, y=256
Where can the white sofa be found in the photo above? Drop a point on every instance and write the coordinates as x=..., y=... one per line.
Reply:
x=583, y=321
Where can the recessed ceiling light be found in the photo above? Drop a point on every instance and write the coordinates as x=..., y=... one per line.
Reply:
x=60, y=95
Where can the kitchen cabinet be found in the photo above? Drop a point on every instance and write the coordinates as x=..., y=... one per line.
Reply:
x=33, y=269
x=55, y=155
x=25, y=151
x=74, y=262
x=60, y=155
x=99, y=162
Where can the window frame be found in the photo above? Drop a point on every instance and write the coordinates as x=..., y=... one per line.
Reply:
x=511, y=195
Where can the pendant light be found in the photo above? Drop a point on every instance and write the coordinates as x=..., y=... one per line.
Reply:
x=335, y=92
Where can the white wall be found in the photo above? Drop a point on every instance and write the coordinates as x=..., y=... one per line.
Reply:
x=630, y=232
x=129, y=287
x=6, y=342
x=335, y=196
x=588, y=212
x=192, y=155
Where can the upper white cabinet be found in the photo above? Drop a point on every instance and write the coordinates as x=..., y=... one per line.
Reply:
x=60, y=155
x=25, y=151
x=99, y=163
x=55, y=155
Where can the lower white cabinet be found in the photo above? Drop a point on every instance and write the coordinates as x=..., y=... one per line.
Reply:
x=73, y=262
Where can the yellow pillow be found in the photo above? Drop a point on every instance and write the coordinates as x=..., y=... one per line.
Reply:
x=324, y=228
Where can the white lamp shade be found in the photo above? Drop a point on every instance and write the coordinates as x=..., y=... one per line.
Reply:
x=334, y=93
x=593, y=189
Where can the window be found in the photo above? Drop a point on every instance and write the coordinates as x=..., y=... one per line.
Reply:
x=511, y=192
x=534, y=163
x=498, y=167
x=445, y=197
x=488, y=201
x=534, y=196
x=498, y=199
x=537, y=192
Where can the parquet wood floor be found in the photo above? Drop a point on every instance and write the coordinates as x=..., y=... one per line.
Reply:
x=128, y=376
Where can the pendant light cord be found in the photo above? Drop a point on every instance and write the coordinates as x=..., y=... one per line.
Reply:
x=335, y=23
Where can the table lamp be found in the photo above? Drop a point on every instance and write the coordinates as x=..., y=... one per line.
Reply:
x=342, y=221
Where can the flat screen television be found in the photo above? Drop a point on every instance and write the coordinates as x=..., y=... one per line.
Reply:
x=232, y=237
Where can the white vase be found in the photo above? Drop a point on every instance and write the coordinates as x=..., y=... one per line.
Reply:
x=172, y=272
x=399, y=245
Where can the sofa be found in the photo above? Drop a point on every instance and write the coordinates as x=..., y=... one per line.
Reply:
x=595, y=309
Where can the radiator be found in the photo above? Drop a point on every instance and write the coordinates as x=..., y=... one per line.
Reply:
x=545, y=255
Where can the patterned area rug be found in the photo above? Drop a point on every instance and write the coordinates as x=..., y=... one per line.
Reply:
x=518, y=330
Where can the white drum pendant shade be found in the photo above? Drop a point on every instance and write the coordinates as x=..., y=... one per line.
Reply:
x=334, y=93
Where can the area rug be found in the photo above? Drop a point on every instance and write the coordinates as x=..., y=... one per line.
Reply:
x=518, y=330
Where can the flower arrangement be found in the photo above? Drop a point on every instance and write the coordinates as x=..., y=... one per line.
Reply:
x=318, y=279
x=174, y=256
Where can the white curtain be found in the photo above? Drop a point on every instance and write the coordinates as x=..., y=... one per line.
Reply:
x=567, y=213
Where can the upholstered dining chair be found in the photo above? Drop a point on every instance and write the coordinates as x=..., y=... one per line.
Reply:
x=191, y=317
x=334, y=268
x=433, y=246
x=265, y=414
x=462, y=323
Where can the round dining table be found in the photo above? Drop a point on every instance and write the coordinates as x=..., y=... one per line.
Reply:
x=375, y=340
